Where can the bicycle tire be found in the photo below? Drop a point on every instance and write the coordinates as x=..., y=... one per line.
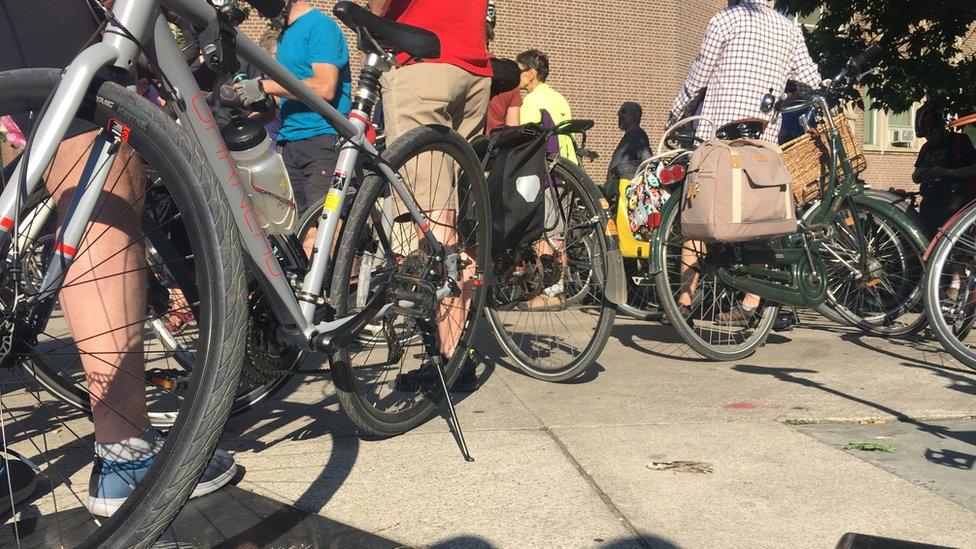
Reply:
x=960, y=230
x=884, y=232
x=757, y=332
x=354, y=394
x=206, y=213
x=585, y=195
x=248, y=395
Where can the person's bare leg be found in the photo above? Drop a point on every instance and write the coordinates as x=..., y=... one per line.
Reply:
x=453, y=311
x=103, y=306
x=751, y=301
x=690, y=253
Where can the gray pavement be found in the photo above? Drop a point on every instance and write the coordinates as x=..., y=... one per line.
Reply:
x=654, y=447
x=600, y=462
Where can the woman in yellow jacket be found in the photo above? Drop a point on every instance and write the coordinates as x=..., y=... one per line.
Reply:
x=541, y=97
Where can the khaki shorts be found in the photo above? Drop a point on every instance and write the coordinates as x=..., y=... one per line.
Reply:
x=433, y=93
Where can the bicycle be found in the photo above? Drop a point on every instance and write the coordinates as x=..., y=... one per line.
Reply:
x=950, y=284
x=384, y=269
x=846, y=237
x=576, y=257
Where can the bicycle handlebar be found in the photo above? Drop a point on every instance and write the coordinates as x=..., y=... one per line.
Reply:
x=858, y=63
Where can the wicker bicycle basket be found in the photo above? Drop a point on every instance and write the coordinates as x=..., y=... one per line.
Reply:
x=806, y=158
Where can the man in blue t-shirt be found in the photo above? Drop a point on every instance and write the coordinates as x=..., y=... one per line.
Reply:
x=314, y=49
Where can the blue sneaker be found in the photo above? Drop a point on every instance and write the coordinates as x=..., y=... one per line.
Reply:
x=113, y=480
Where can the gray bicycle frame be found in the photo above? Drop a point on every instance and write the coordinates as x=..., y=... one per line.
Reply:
x=144, y=20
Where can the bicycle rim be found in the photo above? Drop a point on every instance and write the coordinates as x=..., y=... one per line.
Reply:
x=548, y=308
x=949, y=296
x=688, y=277
x=385, y=379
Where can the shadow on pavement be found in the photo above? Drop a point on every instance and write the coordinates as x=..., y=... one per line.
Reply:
x=963, y=379
x=790, y=375
x=231, y=517
x=644, y=541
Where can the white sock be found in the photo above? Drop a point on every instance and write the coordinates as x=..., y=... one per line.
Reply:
x=554, y=290
x=144, y=446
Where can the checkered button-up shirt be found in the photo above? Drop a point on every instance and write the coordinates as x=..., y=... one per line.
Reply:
x=748, y=50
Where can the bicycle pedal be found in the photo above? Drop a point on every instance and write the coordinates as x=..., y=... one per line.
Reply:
x=869, y=283
x=413, y=297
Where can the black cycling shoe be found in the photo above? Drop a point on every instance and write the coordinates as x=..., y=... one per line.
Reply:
x=468, y=381
x=22, y=479
x=785, y=322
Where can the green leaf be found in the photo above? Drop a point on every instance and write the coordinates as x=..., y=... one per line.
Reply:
x=930, y=47
x=870, y=447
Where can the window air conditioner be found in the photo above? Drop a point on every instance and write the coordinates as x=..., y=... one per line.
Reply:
x=903, y=137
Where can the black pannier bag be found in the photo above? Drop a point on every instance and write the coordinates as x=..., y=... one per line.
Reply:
x=517, y=180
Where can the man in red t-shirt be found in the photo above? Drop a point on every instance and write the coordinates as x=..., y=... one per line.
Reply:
x=452, y=91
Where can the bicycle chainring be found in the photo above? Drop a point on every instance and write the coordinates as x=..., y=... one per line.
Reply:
x=265, y=358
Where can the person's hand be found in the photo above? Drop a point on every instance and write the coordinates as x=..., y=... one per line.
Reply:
x=250, y=91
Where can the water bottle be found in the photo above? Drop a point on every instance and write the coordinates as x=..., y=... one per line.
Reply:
x=263, y=173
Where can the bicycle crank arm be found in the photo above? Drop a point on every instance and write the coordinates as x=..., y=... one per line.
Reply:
x=342, y=332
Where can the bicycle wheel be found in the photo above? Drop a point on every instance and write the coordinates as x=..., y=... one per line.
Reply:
x=689, y=273
x=950, y=301
x=883, y=294
x=199, y=394
x=826, y=310
x=266, y=361
x=557, y=342
x=385, y=379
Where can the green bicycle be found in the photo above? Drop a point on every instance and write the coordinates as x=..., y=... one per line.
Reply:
x=861, y=256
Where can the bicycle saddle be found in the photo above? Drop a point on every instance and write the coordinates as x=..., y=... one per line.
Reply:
x=390, y=35
x=747, y=128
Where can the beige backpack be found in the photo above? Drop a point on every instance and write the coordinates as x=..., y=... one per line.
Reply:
x=737, y=191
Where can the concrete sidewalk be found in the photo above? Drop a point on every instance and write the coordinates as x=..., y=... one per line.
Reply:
x=655, y=448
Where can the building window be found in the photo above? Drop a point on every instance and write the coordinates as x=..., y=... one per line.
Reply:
x=885, y=131
x=901, y=130
x=870, y=123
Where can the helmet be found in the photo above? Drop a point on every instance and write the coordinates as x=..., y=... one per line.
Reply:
x=929, y=118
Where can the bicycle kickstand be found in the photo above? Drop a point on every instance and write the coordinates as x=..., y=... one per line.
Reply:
x=433, y=351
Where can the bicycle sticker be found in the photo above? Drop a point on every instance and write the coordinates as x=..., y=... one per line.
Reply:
x=332, y=202
x=118, y=129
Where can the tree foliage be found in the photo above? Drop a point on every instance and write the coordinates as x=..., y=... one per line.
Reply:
x=926, y=51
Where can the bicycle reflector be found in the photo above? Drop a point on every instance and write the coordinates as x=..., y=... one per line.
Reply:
x=672, y=175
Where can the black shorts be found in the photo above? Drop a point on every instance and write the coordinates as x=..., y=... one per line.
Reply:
x=310, y=164
x=938, y=205
x=45, y=34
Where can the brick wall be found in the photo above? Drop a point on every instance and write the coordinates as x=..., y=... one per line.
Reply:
x=602, y=53
x=605, y=52
x=890, y=169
